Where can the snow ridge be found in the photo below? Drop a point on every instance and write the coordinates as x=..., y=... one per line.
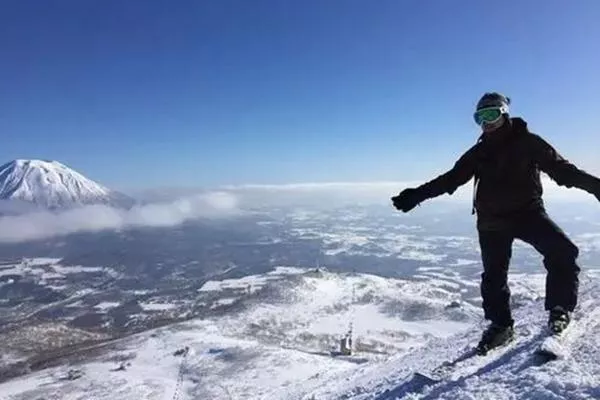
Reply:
x=53, y=185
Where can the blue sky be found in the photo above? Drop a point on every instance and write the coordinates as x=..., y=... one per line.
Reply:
x=202, y=93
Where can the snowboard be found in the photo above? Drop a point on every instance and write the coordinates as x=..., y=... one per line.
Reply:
x=552, y=347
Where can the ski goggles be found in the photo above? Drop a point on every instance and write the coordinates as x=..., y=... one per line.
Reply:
x=489, y=115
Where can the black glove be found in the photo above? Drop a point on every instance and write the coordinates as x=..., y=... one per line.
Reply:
x=597, y=194
x=595, y=189
x=408, y=199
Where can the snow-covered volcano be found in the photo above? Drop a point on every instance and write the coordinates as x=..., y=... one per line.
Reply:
x=52, y=185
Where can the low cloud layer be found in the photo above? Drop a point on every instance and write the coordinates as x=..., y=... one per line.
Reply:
x=326, y=195
x=233, y=200
x=337, y=194
x=43, y=224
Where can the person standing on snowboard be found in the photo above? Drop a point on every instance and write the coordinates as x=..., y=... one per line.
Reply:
x=505, y=163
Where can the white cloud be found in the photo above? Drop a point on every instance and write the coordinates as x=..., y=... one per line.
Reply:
x=329, y=194
x=43, y=224
x=231, y=200
x=332, y=194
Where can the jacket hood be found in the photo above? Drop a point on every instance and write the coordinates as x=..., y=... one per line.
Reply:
x=519, y=125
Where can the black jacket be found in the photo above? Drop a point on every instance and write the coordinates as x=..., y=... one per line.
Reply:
x=506, y=166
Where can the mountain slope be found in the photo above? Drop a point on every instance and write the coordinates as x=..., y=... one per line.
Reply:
x=52, y=185
x=262, y=337
x=269, y=336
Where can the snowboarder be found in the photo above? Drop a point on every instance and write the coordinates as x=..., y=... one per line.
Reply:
x=505, y=163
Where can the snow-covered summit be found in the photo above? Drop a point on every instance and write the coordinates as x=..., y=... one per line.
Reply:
x=53, y=185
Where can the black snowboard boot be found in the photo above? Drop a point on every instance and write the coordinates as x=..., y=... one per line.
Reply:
x=559, y=320
x=494, y=336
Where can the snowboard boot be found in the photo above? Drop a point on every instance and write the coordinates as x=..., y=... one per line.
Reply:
x=558, y=320
x=495, y=335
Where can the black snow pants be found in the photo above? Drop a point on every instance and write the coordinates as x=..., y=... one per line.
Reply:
x=559, y=252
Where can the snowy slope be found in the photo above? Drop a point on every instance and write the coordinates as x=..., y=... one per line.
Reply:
x=51, y=184
x=511, y=373
x=268, y=334
x=273, y=340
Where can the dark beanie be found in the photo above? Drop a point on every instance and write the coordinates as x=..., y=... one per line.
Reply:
x=493, y=99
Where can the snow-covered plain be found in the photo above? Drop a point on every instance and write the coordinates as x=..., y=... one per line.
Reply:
x=47, y=269
x=276, y=340
x=157, y=306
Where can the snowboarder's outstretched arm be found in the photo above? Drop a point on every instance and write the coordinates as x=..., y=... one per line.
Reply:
x=561, y=170
x=448, y=182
